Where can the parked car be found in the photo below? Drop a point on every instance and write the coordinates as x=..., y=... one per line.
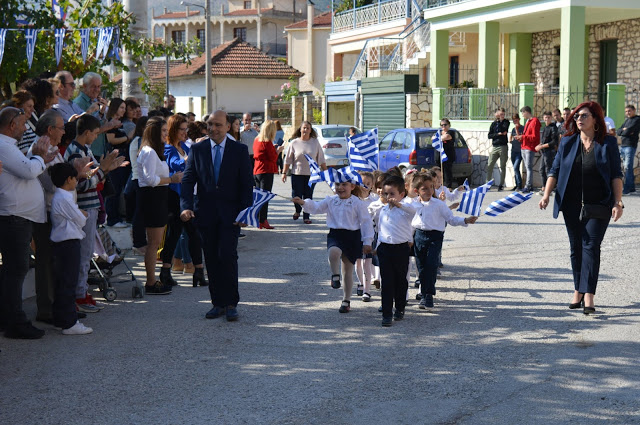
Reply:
x=333, y=139
x=409, y=148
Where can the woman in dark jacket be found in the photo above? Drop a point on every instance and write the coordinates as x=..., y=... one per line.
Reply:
x=587, y=171
x=449, y=145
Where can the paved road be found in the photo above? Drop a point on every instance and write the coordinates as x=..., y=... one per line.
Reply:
x=501, y=346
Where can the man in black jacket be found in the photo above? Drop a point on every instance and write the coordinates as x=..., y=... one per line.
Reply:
x=547, y=147
x=629, y=136
x=498, y=133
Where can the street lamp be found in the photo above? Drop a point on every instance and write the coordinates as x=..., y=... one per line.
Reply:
x=207, y=47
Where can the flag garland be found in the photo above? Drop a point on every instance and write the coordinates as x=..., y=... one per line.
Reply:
x=3, y=38
x=436, y=142
x=31, y=35
x=85, y=35
x=59, y=34
x=362, y=150
x=250, y=215
x=506, y=203
x=471, y=202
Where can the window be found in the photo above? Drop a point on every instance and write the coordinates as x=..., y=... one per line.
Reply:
x=384, y=145
x=178, y=36
x=424, y=139
x=202, y=37
x=399, y=140
x=240, y=33
x=247, y=4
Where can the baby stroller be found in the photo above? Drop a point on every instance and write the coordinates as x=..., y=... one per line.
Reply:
x=107, y=256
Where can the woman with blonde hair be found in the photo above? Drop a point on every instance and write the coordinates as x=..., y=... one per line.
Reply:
x=265, y=156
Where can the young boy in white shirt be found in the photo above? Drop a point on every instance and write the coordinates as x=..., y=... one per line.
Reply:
x=429, y=221
x=394, y=236
x=67, y=221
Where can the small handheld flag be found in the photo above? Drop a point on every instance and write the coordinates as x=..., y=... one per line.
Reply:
x=250, y=215
x=436, y=142
x=471, y=202
x=466, y=185
x=362, y=150
x=331, y=176
x=506, y=203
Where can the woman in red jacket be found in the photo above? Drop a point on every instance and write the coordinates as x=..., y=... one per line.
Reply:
x=265, y=157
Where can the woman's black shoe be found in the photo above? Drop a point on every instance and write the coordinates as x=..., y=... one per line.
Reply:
x=198, y=277
x=589, y=310
x=579, y=304
x=165, y=277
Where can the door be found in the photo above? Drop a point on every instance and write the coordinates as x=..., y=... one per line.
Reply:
x=454, y=71
x=383, y=151
x=608, y=68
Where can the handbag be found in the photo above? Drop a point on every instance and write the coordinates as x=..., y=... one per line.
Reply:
x=597, y=211
x=108, y=189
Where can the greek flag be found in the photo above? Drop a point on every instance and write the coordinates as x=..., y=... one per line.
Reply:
x=466, y=185
x=85, y=34
x=436, y=142
x=250, y=215
x=31, y=34
x=59, y=11
x=104, y=38
x=3, y=38
x=472, y=199
x=115, y=47
x=332, y=176
x=505, y=204
x=59, y=34
x=363, y=150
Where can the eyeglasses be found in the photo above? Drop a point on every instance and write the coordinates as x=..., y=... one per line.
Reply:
x=182, y=128
x=20, y=112
x=72, y=84
x=59, y=128
x=579, y=117
x=444, y=125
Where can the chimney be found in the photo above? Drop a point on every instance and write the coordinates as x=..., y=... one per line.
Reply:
x=187, y=8
x=165, y=10
x=310, y=13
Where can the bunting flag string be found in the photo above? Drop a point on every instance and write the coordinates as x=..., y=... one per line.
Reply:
x=107, y=41
x=85, y=34
x=3, y=37
x=115, y=46
x=31, y=34
x=59, y=34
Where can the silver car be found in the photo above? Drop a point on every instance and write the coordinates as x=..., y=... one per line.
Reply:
x=333, y=139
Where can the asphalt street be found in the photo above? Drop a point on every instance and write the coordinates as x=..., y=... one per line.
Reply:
x=500, y=346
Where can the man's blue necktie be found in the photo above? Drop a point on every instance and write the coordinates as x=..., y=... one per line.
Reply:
x=216, y=162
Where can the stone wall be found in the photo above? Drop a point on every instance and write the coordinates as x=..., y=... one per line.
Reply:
x=419, y=110
x=545, y=63
x=480, y=147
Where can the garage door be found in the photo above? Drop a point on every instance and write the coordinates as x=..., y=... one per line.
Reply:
x=386, y=111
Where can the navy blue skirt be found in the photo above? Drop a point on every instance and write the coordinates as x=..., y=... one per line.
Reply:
x=349, y=242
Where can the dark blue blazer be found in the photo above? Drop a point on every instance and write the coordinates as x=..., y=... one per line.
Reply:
x=607, y=161
x=234, y=191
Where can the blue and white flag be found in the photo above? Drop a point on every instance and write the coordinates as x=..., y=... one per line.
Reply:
x=31, y=34
x=115, y=46
x=3, y=38
x=436, y=142
x=331, y=175
x=59, y=34
x=505, y=204
x=250, y=215
x=104, y=40
x=362, y=150
x=466, y=185
x=59, y=12
x=471, y=202
x=85, y=34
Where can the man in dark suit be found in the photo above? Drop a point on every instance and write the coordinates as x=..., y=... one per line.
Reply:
x=222, y=170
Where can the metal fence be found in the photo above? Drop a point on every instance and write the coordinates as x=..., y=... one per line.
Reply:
x=479, y=104
x=315, y=105
x=556, y=98
x=280, y=110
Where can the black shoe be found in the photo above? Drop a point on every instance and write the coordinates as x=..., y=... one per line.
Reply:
x=215, y=312
x=387, y=321
x=47, y=320
x=231, y=314
x=579, y=304
x=345, y=306
x=157, y=288
x=360, y=290
x=398, y=315
x=335, y=281
x=500, y=188
x=418, y=296
x=165, y=277
x=81, y=315
x=23, y=331
x=428, y=301
x=198, y=278
x=242, y=235
x=589, y=310
x=416, y=283
x=380, y=309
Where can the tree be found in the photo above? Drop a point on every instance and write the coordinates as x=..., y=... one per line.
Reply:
x=348, y=4
x=83, y=14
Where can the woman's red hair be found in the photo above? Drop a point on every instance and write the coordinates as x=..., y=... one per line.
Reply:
x=596, y=111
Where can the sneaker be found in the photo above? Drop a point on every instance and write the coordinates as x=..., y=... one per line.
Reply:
x=157, y=288
x=91, y=301
x=416, y=284
x=242, y=235
x=86, y=308
x=120, y=225
x=423, y=303
x=428, y=301
x=387, y=322
x=527, y=189
x=77, y=329
x=398, y=315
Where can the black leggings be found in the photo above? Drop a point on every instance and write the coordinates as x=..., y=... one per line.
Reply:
x=174, y=229
x=300, y=188
x=264, y=182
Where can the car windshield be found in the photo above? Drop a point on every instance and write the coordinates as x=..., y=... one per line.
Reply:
x=335, y=132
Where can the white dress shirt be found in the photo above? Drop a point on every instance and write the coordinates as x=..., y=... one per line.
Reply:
x=45, y=178
x=433, y=215
x=134, y=146
x=374, y=211
x=20, y=191
x=448, y=195
x=150, y=168
x=213, y=151
x=349, y=214
x=394, y=223
x=67, y=220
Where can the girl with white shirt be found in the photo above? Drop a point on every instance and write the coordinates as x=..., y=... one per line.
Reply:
x=364, y=265
x=350, y=233
x=153, y=178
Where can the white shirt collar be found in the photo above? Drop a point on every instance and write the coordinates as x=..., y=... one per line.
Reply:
x=222, y=145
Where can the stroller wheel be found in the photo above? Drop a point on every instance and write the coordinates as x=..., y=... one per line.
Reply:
x=110, y=294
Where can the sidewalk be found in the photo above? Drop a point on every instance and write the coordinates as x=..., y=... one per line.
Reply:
x=500, y=347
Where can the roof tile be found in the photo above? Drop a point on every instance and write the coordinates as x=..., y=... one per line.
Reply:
x=322, y=20
x=177, y=15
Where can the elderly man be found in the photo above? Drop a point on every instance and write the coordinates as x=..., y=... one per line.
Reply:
x=89, y=100
x=21, y=204
x=65, y=106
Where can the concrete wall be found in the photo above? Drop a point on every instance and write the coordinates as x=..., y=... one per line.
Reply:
x=341, y=113
x=298, y=57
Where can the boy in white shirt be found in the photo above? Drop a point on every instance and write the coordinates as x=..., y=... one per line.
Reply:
x=431, y=217
x=394, y=235
x=67, y=221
